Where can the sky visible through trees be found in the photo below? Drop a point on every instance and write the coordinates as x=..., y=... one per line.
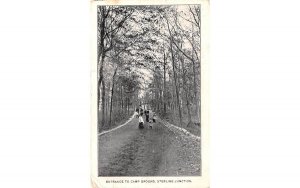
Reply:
x=149, y=55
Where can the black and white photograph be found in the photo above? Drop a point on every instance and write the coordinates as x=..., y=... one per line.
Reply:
x=149, y=94
x=149, y=90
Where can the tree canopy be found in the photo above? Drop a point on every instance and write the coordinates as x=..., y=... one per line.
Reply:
x=149, y=55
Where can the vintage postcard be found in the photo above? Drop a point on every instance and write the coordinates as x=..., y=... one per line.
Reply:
x=149, y=93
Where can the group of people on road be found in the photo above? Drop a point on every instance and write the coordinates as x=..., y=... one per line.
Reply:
x=150, y=117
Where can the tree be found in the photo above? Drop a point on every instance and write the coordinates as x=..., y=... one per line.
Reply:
x=149, y=54
x=174, y=71
x=110, y=22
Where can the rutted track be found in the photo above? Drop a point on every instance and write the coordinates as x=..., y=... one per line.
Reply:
x=129, y=151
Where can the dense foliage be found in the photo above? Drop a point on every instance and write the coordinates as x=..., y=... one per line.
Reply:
x=149, y=55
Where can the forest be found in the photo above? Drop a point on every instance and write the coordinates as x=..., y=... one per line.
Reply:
x=149, y=56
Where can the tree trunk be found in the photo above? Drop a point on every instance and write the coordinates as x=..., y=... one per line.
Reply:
x=127, y=105
x=112, y=96
x=111, y=104
x=195, y=80
x=100, y=59
x=185, y=89
x=98, y=105
x=103, y=102
x=174, y=74
x=107, y=105
x=122, y=98
x=164, y=92
x=101, y=50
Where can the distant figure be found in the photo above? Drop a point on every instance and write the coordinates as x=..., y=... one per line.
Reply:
x=154, y=118
x=147, y=115
x=141, y=122
x=136, y=114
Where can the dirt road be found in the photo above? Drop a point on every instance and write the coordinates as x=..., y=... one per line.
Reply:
x=129, y=151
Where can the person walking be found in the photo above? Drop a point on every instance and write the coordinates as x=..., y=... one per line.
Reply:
x=154, y=118
x=136, y=114
x=147, y=116
x=141, y=122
